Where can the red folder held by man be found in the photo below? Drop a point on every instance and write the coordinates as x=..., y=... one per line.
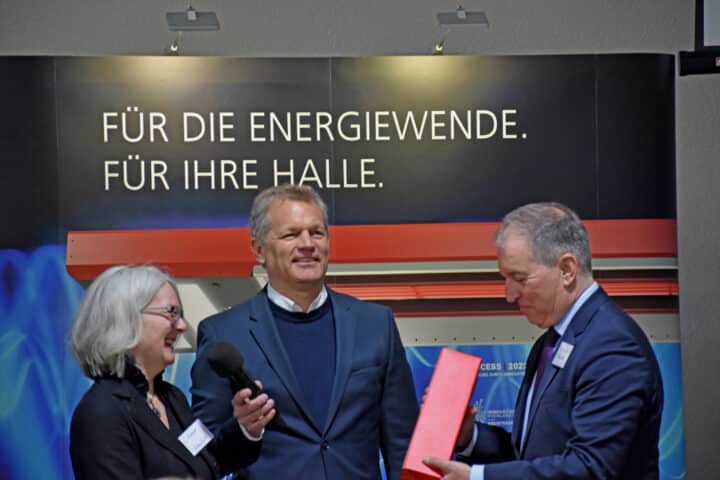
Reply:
x=442, y=413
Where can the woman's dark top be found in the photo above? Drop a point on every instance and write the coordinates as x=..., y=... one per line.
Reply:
x=115, y=435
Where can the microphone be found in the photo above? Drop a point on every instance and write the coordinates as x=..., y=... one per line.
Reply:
x=227, y=362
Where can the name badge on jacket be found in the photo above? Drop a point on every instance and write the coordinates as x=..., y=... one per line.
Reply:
x=562, y=354
x=195, y=437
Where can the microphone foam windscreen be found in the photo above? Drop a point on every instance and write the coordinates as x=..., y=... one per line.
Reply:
x=225, y=359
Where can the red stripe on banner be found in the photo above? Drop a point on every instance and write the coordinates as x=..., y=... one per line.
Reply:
x=223, y=252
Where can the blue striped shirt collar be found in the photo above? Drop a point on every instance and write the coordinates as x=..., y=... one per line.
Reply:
x=563, y=324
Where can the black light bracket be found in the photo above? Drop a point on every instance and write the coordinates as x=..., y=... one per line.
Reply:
x=192, y=20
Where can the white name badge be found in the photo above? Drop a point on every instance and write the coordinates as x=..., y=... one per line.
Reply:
x=195, y=437
x=562, y=354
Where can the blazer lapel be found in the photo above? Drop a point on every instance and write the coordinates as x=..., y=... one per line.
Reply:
x=152, y=425
x=547, y=378
x=182, y=412
x=519, y=414
x=577, y=326
x=265, y=334
x=344, y=344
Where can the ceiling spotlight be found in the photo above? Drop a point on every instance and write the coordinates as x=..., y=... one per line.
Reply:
x=173, y=49
x=462, y=17
x=192, y=20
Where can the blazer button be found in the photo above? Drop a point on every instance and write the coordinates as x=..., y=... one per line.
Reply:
x=325, y=445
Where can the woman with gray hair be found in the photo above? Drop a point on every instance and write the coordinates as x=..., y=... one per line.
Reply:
x=131, y=423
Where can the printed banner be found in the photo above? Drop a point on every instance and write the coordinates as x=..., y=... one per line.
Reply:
x=161, y=142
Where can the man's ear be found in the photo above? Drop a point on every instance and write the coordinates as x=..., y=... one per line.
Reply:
x=257, y=250
x=568, y=265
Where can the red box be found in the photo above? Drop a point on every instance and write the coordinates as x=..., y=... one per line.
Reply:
x=442, y=413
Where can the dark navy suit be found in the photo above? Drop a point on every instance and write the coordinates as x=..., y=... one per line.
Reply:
x=372, y=406
x=598, y=417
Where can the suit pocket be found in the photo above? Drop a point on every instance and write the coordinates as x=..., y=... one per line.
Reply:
x=365, y=370
x=365, y=382
x=361, y=401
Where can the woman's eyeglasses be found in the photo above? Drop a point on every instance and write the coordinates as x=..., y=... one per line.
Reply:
x=171, y=312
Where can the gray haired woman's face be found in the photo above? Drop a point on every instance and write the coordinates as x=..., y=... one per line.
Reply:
x=162, y=325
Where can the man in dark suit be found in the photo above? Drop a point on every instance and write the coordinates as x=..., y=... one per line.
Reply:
x=589, y=406
x=334, y=365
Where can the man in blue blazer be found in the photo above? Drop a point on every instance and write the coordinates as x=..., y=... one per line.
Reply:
x=589, y=406
x=334, y=365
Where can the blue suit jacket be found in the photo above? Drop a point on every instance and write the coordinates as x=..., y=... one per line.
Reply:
x=372, y=407
x=598, y=417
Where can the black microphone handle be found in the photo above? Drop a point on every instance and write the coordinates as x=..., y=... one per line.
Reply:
x=240, y=380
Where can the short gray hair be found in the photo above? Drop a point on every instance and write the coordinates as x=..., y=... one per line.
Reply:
x=109, y=322
x=551, y=229
x=259, y=220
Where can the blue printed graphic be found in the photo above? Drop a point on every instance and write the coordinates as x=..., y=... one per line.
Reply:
x=40, y=381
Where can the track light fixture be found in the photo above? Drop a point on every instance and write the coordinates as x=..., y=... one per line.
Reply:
x=189, y=20
x=458, y=17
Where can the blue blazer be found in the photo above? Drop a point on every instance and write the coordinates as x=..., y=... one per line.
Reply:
x=372, y=408
x=598, y=417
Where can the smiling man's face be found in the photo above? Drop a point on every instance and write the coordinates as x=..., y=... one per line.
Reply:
x=295, y=250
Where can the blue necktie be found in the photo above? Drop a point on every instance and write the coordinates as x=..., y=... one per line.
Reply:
x=551, y=338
